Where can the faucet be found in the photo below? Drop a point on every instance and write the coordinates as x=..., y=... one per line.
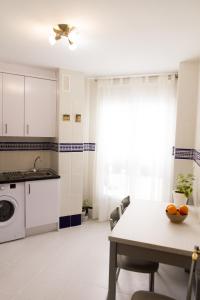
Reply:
x=34, y=165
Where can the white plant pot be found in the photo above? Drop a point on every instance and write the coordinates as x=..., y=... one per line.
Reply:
x=90, y=213
x=179, y=198
x=198, y=212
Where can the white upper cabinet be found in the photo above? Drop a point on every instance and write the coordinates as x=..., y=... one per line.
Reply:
x=27, y=106
x=40, y=107
x=1, y=106
x=13, y=105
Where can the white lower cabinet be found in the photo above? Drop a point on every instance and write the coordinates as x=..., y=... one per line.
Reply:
x=42, y=202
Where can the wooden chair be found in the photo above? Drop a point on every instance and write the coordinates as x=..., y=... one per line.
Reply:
x=129, y=263
x=144, y=295
x=125, y=203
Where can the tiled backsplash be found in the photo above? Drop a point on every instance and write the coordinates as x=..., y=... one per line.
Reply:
x=185, y=153
x=23, y=160
x=25, y=146
x=58, y=147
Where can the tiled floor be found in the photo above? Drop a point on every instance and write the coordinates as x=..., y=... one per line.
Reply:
x=72, y=264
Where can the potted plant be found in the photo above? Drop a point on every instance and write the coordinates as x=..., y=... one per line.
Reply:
x=85, y=209
x=184, y=188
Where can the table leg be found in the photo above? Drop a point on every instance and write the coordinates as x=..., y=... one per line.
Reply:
x=112, y=271
x=197, y=292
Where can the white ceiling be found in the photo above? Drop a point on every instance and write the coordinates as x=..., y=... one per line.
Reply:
x=116, y=36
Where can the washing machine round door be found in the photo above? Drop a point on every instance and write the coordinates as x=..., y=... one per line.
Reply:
x=8, y=207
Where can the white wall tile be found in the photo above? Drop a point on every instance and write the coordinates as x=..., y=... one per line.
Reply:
x=71, y=172
x=186, y=105
x=71, y=164
x=65, y=163
x=186, y=113
x=54, y=160
x=196, y=192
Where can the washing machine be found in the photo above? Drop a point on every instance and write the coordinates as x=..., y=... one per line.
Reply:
x=12, y=212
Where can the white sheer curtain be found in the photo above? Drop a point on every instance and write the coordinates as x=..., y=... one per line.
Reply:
x=135, y=126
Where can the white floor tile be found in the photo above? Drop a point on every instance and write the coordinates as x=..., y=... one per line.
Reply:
x=72, y=264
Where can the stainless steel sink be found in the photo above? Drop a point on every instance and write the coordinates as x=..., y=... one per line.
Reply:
x=28, y=175
x=40, y=173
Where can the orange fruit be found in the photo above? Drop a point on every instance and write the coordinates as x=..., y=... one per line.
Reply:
x=171, y=209
x=178, y=212
x=169, y=205
x=183, y=209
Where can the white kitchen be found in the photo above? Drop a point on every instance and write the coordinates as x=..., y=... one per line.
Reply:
x=99, y=123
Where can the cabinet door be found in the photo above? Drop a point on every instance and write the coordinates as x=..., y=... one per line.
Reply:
x=40, y=107
x=13, y=105
x=1, y=105
x=41, y=202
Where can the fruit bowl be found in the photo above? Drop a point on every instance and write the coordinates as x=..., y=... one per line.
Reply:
x=176, y=215
x=176, y=218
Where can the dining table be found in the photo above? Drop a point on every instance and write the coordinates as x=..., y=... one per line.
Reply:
x=145, y=232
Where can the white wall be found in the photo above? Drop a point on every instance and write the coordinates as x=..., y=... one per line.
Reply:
x=70, y=168
x=71, y=101
x=90, y=136
x=188, y=121
x=196, y=193
x=186, y=104
x=86, y=139
x=186, y=113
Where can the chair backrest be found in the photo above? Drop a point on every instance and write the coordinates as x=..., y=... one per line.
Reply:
x=114, y=217
x=195, y=265
x=125, y=203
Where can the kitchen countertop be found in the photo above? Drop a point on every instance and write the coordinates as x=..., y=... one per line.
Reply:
x=23, y=176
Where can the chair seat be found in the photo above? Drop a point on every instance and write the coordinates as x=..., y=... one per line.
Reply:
x=143, y=295
x=136, y=265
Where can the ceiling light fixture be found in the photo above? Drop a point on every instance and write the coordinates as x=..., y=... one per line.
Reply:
x=66, y=31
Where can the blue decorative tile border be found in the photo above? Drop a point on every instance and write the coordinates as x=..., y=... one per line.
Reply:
x=89, y=146
x=53, y=147
x=69, y=221
x=183, y=153
x=58, y=147
x=66, y=147
x=24, y=146
x=197, y=157
x=186, y=153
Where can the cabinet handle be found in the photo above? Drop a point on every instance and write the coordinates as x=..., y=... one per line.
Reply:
x=6, y=128
x=27, y=129
x=29, y=189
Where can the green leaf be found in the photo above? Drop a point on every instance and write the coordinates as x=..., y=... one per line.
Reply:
x=184, y=184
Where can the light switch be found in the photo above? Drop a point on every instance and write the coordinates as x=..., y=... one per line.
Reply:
x=66, y=117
